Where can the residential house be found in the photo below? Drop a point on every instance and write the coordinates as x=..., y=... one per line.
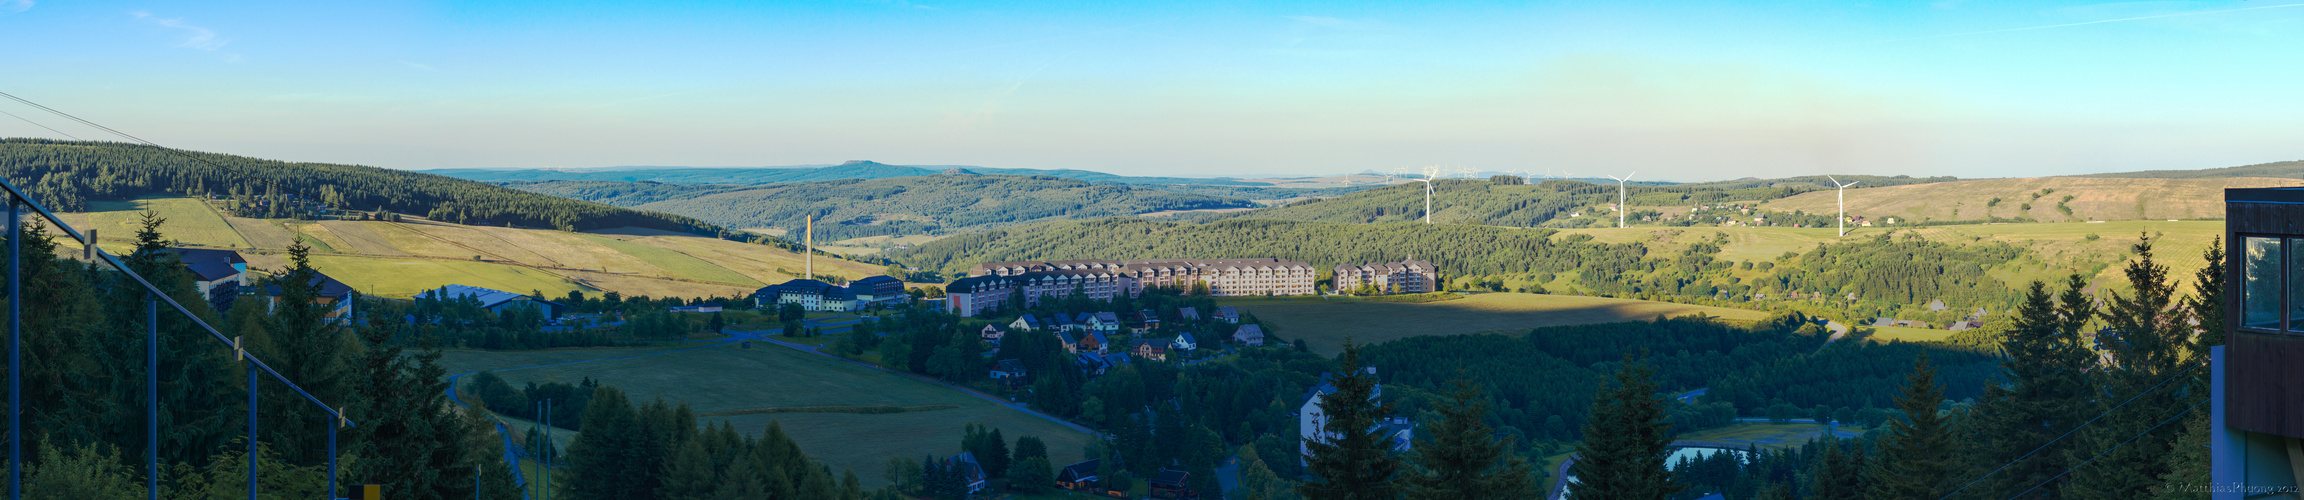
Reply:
x=1310, y=419
x=1025, y=323
x=1079, y=476
x=1064, y=322
x=699, y=308
x=1169, y=483
x=1188, y=314
x=1103, y=279
x=217, y=274
x=992, y=334
x=1116, y=360
x=1091, y=363
x=1147, y=320
x=1185, y=342
x=1008, y=371
x=1105, y=322
x=1227, y=314
x=1154, y=349
x=1071, y=342
x=2256, y=408
x=495, y=301
x=335, y=295
x=810, y=294
x=971, y=471
x=1251, y=335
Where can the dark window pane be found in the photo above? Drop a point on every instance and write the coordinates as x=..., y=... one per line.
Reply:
x=2295, y=284
x=2260, y=301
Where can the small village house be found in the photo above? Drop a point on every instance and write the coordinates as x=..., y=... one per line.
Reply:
x=1250, y=335
x=1080, y=476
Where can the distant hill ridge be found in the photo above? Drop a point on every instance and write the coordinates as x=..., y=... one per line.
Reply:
x=954, y=200
x=852, y=169
x=2278, y=170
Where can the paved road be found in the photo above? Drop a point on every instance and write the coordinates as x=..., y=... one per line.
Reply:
x=1839, y=331
x=762, y=336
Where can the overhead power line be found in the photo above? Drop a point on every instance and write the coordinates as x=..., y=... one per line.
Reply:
x=2100, y=416
x=2181, y=414
x=124, y=135
x=37, y=124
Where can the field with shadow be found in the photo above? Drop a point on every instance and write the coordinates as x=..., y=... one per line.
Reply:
x=1324, y=323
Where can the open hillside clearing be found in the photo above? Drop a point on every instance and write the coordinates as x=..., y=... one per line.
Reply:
x=724, y=378
x=2092, y=199
x=1325, y=323
x=400, y=259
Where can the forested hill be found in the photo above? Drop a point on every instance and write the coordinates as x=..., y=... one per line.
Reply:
x=1883, y=274
x=66, y=175
x=850, y=208
x=1510, y=201
x=773, y=175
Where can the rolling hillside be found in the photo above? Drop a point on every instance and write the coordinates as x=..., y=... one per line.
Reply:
x=806, y=173
x=853, y=208
x=2037, y=198
x=402, y=258
x=2279, y=170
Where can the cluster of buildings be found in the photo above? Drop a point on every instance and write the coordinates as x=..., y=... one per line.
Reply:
x=815, y=295
x=222, y=276
x=1407, y=276
x=997, y=285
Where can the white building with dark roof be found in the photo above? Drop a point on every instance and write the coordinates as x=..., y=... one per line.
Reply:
x=810, y=294
x=1407, y=276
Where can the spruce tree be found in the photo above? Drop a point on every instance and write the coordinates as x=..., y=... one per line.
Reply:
x=1626, y=440
x=690, y=475
x=1459, y=457
x=599, y=461
x=1354, y=460
x=1839, y=475
x=2207, y=300
x=2150, y=342
x=2048, y=390
x=1916, y=453
x=307, y=347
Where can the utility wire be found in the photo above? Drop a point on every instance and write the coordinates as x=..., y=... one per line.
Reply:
x=2100, y=416
x=2180, y=414
x=37, y=124
x=138, y=140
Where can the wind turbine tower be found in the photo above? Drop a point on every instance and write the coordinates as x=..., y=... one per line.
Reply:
x=1621, y=210
x=1429, y=173
x=1843, y=218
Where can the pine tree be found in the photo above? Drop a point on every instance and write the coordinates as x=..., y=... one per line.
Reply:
x=305, y=346
x=1460, y=457
x=600, y=462
x=1838, y=476
x=2188, y=463
x=1032, y=475
x=1355, y=460
x=1257, y=481
x=1626, y=440
x=994, y=456
x=1916, y=453
x=691, y=475
x=2207, y=301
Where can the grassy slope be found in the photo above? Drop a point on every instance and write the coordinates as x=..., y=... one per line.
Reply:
x=778, y=377
x=1326, y=323
x=2094, y=199
x=398, y=259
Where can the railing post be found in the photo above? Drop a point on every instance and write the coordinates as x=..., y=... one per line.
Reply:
x=15, y=352
x=251, y=430
x=152, y=397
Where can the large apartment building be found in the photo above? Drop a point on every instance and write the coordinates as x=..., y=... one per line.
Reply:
x=1407, y=276
x=993, y=285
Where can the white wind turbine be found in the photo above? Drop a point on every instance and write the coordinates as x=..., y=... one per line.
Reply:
x=1620, y=208
x=1842, y=220
x=1430, y=173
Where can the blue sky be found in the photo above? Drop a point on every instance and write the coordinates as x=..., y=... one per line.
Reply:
x=1683, y=91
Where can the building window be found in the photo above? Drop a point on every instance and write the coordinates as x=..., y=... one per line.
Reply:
x=2260, y=302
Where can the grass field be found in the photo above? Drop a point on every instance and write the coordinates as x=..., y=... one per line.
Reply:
x=189, y=221
x=677, y=263
x=1326, y=323
x=1745, y=244
x=2093, y=199
x=1884, y=334
x=725, y=378
x=382, y=258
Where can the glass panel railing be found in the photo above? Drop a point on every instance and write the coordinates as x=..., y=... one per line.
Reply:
x=2261, y=297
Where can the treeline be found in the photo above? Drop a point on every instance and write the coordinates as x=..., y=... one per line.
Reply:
x=85, y=363
x=850, y=208
x=2116, y=414
x=1885, y=274
x=66, y=175
x=1541, y=381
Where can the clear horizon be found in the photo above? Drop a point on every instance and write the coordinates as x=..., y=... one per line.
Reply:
x=1675, y=91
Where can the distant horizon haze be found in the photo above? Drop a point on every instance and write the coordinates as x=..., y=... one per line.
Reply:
x=1672, y=90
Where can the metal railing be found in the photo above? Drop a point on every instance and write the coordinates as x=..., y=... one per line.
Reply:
x=18, y=202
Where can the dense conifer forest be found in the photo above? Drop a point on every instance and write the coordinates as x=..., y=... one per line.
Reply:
x=66, y=175
x=1512, y=201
